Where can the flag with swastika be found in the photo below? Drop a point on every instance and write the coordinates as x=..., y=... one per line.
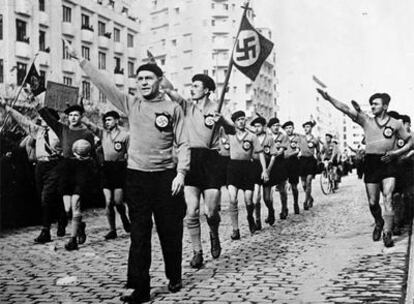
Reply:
x=251, y=49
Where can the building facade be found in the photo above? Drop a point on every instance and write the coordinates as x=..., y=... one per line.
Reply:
x=192, y=36
x=103, y=32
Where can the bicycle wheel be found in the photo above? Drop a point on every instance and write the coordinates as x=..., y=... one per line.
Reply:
x=325, y=183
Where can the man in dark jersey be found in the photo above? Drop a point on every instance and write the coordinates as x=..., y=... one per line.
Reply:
x=76, y=168
x=380, y=131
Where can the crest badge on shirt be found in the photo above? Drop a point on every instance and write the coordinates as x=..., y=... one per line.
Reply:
x=118, y=146
x=293, y=144
x=311, y=145
x=209, y=121
x=400, y=143
x=266, y=149
x=246, y=145
x=388, y=132
x=163, y=121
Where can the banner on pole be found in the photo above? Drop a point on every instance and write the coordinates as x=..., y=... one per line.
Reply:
x=251, y=49
x=35, y=81
x=60, y=96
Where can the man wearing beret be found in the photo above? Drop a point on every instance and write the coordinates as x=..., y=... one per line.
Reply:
x=154, y=180
x=47, y=153
x=267, y=143
x=309, y=150
x=292, y=163
x=115, y=142
x=75, y=169
x=243, y=145
x=203, y=124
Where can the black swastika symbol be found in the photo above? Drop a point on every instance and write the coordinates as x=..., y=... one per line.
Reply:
x=247, y=48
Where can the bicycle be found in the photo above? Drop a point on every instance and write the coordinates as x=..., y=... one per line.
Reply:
x=327, y=179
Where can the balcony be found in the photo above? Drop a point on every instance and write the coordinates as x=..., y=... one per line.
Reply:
x=87, y=35
x=222, y=44
x=103, y=42
x=23, y=49
x=132, y=82
x=43, y=58
x=43, y=18
x=132, y=52
x=219, y=11
x=119, y=79
x=118, y=48
x=68, y=66
x=68, y=29
x=23, y=7
x=221, y=62
x=221, y=27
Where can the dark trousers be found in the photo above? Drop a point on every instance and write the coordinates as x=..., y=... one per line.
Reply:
x=47, y=184
x=148, y=194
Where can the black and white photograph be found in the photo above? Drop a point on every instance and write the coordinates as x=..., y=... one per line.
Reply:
x=206, y=151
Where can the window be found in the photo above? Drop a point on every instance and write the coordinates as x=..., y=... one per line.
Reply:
x=65, y=51
x=67, y=14
x=42, y=78
x=163, y=61
x=131, y=70
x=1, y=27
x=101, y=60
x=86, y=90
x=85, y=21
x=117, y=34
x=67, y=80
x=21, y=72
x=42, y=5
x=174, y=42
x=124, y=10
x=42, y=41
x=21, y=30
x=130, y=40
x=102, y=97
x=101, y=28
x=118, y=65
x=85, y=53
x=112, y=3
x=1, y=71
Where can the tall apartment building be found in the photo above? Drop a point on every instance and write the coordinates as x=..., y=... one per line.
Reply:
x=197, y=36
x=103, y=31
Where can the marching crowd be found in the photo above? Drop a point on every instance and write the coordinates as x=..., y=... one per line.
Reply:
x=179, y=150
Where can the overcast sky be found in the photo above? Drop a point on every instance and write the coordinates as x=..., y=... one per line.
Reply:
x=357, y=47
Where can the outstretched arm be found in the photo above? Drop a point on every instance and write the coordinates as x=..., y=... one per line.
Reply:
x=92, y=126
x=344, y=108
x=102, y=82
x=28, y=126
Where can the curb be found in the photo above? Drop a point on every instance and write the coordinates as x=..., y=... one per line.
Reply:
x=409, y=291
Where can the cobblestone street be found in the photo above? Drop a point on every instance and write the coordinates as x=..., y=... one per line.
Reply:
x=324, y=255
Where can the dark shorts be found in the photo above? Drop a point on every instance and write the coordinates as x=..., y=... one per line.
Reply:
x=293, y=169
x=113, y=174
x=308, y=165
x=404, y=177
x=239, y=174
x=278, y=173
x=75, y=176
x=376, y=170
x=222, y=169
x=204, y=168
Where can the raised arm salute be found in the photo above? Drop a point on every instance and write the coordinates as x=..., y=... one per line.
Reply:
x=154, y=180
x=381, y=132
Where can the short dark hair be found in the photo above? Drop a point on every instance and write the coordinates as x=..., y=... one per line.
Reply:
x=383, y=96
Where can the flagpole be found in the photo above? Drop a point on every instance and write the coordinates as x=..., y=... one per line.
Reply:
x=18, y=93
x=229, y=68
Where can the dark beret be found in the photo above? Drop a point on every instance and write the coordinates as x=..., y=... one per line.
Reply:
x=273, y=121
x=236, y=115
x=113, y=114
x=394, y=114
x=207, y=81
x=53, y=113
x=152, y=67
x=73, y=108
x=260, y=120
x=383, y=96
x=329, y=135
x=288, y=123
x=309, y=123
x=406, y=119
